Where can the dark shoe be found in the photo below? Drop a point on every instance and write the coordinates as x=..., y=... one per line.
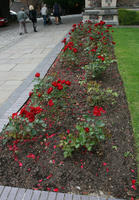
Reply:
x=20, y=33
x=35, y=31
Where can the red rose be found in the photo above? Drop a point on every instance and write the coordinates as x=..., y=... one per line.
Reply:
x=37, y=75
x=68, y=83
x=49, y=90
x=101, y=57
x=50, y=102
x=14, y=115
x=133, y=182
x=30, y=117
x=75, y=50
x=74, y=25
x=54, y=84
x=59, y=81
x=59, y=86
x=98, y=110
x=87, y=129
x=56, y=190
x=30, y=94
x=63, y=81
x=91, y=38
x=39, y=95
x=93, y=50
x=64, y=41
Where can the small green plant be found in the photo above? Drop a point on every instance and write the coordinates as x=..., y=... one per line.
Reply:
x=115, y=147
x=98, y=95
x=89, y=133
x=128, y=154
x=94, y=70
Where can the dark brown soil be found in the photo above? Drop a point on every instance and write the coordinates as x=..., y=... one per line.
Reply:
x=110, y=168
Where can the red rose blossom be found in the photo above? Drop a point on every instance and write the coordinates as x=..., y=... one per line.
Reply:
x=37, y=75
x=68, y=83
x=14, y=115
x=59, y=86
x=87, y=129
x=49, y=90
x=54, y=84
x=98, y=110
x=75, y=50
x=50, y=102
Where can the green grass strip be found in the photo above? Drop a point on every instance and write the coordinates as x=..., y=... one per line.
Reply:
x=127, y=53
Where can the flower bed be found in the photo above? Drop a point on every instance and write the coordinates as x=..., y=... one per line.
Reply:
x=74, y=133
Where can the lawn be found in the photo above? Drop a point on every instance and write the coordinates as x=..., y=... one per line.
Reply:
x=127, y=51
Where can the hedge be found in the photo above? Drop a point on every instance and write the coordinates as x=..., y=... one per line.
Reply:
x=128, y=17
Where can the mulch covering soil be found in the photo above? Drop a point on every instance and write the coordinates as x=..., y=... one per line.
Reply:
x=110, y=168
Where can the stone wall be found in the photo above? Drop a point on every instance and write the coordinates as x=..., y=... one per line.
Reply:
x=127, y=3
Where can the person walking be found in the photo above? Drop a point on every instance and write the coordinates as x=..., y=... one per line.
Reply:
x=33, y=17
x=56, y=13
x=44, y=12
x=60, y=13
x=21, y=17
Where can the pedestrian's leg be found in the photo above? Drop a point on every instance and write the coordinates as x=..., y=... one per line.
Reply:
x=56, y=20
x=20, y=28
x=24, y=25
x=44, y=19
x=34, y=26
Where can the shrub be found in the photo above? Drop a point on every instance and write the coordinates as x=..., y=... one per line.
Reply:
x=98, y=96
x=89, y=133
x=128, y=17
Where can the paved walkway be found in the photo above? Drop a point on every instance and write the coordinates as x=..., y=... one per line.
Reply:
x=20, y=59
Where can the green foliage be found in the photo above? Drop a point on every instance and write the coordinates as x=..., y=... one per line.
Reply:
x=88, y=134
x=98, y=95
x=128, y=17
x=19, y=127
x=94, y=70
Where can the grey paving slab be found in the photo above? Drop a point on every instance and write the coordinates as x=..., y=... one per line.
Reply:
x=68, y=197
x=77, y=197
x=36, y=195
x=51, y=196
x=27, y=195
x=60, y=196
x=12, y=194
x=85, y=197
x=1, y=189
x=44, y=195
x=20, y=194
x=5, y=193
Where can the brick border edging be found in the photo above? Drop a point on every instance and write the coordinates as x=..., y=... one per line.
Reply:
x=15, y=193
x=18, y=98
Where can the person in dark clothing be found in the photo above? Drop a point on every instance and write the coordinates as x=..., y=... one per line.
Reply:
x=60, y=13
x=56, y=12
x=33, y=17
